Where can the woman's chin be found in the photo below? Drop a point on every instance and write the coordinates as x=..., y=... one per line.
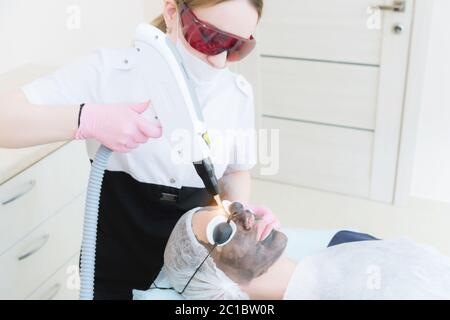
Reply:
x=276, y=242
x=275, y=239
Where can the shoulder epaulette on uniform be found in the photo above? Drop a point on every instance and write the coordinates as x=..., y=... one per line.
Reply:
x=243, y=85
x=125, y=59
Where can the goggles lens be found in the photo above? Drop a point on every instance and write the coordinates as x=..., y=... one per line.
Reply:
x=210, y=40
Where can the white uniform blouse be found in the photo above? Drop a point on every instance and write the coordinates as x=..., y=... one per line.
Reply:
x=109, y=76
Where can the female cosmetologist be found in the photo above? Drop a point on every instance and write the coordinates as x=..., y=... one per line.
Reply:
x=104, y=96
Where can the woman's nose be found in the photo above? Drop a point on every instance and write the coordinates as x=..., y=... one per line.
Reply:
x=218, y=61
x=245, y=218
x=249, y=220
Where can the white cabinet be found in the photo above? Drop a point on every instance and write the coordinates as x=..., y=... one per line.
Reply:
x=330, y=76
x=331, y=30
x=331, y=158
x=39, y=192
x=63, y=285
x=41, y=215
x=320, y=92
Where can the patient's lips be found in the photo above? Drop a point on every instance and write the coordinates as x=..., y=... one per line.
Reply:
x=266, y=232
x=263, y=230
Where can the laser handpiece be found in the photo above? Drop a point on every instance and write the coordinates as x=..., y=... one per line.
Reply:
x=205, y=170
x=185, y=116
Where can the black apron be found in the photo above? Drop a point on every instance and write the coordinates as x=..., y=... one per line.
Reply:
x=135, y=222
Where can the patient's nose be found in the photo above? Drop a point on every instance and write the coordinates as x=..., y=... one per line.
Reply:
x=242, y=216
x=246, y=218
x=250, y=220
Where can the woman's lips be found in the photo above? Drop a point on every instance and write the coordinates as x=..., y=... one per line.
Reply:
x=267, y=230
x=269, y=237
x=263, y=230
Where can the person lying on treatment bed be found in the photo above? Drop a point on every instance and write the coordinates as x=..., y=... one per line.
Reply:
x=248, y=267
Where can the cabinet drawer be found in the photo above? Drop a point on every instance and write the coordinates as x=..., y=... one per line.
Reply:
x=332, y=93
x=319, y=156
x=40, y=191
x=63, y=285
x=35, y=258
x=334, y=30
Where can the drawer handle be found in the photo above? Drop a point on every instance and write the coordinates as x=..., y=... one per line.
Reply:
x=24, y=190
x=39, y=244
x=51, y=292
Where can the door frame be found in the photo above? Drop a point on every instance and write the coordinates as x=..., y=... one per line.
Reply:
x=417, y=59
x=393, y=71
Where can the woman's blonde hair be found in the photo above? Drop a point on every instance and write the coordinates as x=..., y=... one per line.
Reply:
x=161, y=24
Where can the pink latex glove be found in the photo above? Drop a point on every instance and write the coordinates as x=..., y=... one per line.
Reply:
x=120, y=127
x=269, y=219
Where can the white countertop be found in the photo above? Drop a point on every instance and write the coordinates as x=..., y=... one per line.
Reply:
x=14, y=161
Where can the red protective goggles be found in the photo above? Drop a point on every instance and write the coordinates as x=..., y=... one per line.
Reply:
x=211, y=41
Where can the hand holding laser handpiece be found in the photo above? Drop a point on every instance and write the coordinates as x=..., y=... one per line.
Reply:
x=249, y=215
x=120, y=127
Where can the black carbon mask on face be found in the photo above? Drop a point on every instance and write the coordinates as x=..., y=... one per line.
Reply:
x=244, y=257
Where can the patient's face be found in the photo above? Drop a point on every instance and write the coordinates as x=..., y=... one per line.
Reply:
x=246, y=256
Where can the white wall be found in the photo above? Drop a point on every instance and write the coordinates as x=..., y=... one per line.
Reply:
x=431, y=175
x=47, y=32
x=152, y=9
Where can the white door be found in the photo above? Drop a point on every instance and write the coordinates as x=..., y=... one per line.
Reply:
x=330, y=75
